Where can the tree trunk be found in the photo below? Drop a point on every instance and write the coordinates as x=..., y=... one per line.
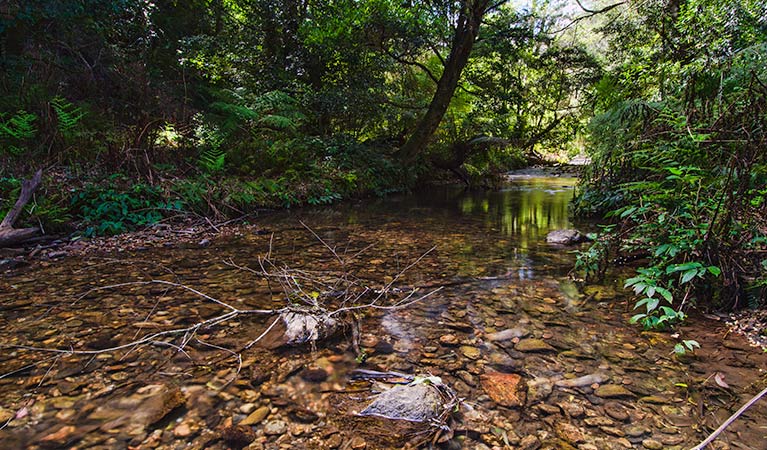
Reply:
x=466, y=31
x=10, y=235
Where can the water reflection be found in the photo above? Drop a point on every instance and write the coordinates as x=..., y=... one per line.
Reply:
x=527, y=210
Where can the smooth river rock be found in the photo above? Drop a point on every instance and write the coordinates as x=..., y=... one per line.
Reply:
x=586, y=380
x=613, y=391
x=256, y=416
x=506, y=389
x=507, y=335
x=533, y=346
x=565, y=237
x=414, y=402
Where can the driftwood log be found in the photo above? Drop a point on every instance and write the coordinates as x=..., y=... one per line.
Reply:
x=10, y=235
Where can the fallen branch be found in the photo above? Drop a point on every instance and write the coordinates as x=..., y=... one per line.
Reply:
x=317, y=305
x=10, y=235
x=727, y=422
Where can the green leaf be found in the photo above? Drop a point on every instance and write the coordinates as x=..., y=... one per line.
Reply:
x=714, y=270
x=691, y=344
x=689, y=275
x=636, y=318
x=652, y=304
x=641, y=302
x=668, y=311
x=665, y=293
x=673, y=170
x=628, y=212
x=682, y=267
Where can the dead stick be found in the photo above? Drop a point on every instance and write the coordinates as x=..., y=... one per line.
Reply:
x=727, y=422
x=28, y=187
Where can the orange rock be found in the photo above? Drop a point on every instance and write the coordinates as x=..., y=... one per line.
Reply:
x=506, y=389
x=60, y=436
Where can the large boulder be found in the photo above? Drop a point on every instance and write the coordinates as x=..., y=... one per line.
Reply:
x=565, y=237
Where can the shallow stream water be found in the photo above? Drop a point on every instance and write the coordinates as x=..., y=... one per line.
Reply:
x=502, y=304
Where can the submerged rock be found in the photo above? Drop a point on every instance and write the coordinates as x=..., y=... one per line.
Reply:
x=565, y=237
x=613, y=391
x=470, y=352
x=617, y=411
x=533, y=346
x=652, y=444
x=145, y=407
x=300, y=327
x=417, y=402
x=586, y=380
x=449, y=340
x=256, y=416
x=506, y=389
x=275, y=428
x=313, y=375
x=539, y=389
x=570, y=433
x=530, y=442
x=238, y=436
x=507, y=335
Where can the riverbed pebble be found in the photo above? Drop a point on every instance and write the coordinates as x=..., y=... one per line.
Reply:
x=652, y=444
x=613, y=391
x=275, y=427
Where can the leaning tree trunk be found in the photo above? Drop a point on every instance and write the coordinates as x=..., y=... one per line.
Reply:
x=466, y=32
x=10, y=235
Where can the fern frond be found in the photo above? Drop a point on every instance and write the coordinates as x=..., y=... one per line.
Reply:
x=20, y=127
x=241, y=112
x=212, y=159
x=67, y=114
x=277, y=122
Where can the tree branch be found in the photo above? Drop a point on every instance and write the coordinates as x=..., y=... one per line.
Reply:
x=8, y=234
x=591, y=13
x=727, y=422
x=406, y=62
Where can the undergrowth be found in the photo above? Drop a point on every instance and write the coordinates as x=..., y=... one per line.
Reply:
x=686, y=193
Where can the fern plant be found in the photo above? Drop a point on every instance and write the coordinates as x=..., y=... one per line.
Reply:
x=67, y=114
x=211, y=140
x=212, y=159
x=16, y=130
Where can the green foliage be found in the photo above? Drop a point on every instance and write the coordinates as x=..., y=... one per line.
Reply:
x=20, y=133
x=16, y=131
x=67, y=114
x=210, y=141
x=593, y=262
x=48, y=210
x=113, y=210
x=687, y=345
x=678, y=160
x=9, y=192
x=212, y=159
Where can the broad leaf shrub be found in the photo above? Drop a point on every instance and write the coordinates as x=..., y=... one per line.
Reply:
x=680, y=170
x=114, y=209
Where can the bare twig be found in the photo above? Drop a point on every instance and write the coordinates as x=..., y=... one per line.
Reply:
x=727, y=422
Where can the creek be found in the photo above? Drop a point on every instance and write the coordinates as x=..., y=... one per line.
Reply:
x=587, y=379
